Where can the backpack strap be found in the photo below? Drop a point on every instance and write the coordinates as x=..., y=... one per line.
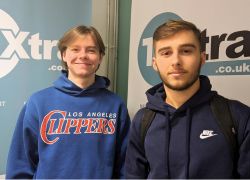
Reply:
x=147, y=118
x=221, y=110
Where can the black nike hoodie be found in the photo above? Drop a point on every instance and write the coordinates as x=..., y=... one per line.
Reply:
x=186, y=142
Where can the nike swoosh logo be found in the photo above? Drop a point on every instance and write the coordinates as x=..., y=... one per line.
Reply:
x=202, y=136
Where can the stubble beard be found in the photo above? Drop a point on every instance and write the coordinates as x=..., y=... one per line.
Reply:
x=184, y=86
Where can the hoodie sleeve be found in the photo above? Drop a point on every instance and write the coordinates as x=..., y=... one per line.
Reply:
x=22, y=158
x=243, y=165
x=123, y=130
x=136, y=163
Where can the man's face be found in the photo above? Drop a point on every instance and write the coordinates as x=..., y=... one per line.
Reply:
x=82, y=58
x=178, y=60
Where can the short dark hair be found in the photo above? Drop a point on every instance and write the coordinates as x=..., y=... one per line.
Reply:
x=172, y=27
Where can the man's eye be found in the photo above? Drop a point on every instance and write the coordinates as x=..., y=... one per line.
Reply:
x=166, y=53
x=186, y=51
x=74, y=49
x=92, y=50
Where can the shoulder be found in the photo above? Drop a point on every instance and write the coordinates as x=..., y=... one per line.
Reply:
x=43, y=92
x=240, y=109
x=136, y=122
x=237, y=108
x=241, y=115
x=41, y=95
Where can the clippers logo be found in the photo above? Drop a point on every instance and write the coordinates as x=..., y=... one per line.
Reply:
x=55, y=123
x=228, y=53
x=10, y=55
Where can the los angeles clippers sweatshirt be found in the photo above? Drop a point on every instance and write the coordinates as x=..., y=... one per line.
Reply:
x=68, y=132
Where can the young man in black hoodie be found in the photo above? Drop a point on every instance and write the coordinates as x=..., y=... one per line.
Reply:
x=184, y=139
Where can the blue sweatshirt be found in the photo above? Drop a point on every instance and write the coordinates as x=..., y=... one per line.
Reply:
x=174, y=145
x=67, y=132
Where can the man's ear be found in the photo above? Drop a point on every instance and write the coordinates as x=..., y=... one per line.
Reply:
x=63, y=55
x=203, y=58
x=154, y=64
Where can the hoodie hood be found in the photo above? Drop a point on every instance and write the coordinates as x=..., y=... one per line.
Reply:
x=67, y=86
x=156, y=96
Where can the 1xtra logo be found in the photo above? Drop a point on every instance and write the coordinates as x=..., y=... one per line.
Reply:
x=228, y=53
x=8, y=59
x=15, y=50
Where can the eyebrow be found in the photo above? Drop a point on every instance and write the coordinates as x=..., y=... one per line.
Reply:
x=181, y=46
x=163, y=49
x=87, y=47
x=189, y=45
x=95, y=47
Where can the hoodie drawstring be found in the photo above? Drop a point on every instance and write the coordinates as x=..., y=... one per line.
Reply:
x=168, y=142
x=188, y=129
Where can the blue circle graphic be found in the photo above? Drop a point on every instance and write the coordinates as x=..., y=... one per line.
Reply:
x=146, y=44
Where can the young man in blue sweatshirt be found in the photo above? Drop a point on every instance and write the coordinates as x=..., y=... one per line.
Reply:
x=184, y=139
x=76, y=128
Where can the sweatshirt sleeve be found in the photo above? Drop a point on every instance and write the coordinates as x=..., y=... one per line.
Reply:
x=244, y=145
x=121, y=147
x=22, y=158
x=136, y=165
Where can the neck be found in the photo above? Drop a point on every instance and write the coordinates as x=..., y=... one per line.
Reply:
x=82, y=82
x=178, y=98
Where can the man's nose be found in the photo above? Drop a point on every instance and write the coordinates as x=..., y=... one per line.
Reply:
x=83, y=53
x=176, y=59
